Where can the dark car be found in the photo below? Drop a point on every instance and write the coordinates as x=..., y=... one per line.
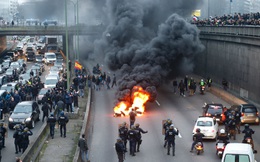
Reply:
x=214, y=110
x=249, y=114
x=42, y=92
x=30, y=56
x=26, y=111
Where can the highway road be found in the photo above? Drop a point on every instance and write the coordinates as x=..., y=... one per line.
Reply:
x=8, y=153
x=182, y=110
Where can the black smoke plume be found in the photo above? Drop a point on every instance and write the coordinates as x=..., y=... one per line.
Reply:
x=142, y=56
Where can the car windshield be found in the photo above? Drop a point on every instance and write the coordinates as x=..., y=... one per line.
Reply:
x=249, y=110
x=43, y=91
x=236, y=158
x=215, y=110
x=23, y=109
x=204, y=123
x=5, y=63
x=38, y=57
x=51, y=56
x=50, y=81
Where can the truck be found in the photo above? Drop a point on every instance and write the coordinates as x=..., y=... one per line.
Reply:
x=51, y=40
x=51, y=44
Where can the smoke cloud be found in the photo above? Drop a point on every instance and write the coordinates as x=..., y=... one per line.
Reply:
x=148, y=44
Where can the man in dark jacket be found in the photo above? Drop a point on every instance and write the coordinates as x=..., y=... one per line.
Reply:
x=83, y=146
x=120, y=150
x=63, y=120
x=51, y=121
x=45, y=110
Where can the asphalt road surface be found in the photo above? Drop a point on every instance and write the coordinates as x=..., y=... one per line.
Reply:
x=182, y=110
x=8, y=153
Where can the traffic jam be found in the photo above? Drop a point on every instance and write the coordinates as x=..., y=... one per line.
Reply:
x=32, y=73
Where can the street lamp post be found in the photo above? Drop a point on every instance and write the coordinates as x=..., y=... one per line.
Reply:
x=67, y=46
x=75, y=20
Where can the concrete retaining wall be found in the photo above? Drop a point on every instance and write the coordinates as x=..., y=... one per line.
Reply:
x=237, y=62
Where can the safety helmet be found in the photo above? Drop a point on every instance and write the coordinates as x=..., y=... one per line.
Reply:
x=132, y=127
x=246, y=126
x=198, y=130
x=26, y=129
x=171, y=126
x=137, y=125
x=124, y=124
x=169, y=121
x=222, y=131
x=62, y=113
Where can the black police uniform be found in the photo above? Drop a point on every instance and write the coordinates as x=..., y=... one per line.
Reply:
x=170, y=138
x=123, y=134
x=120, y=150
x=51, y=121
x=132, y=137
x=139, y=136
x=17, y=140
x=63, y=120
x=45, y=110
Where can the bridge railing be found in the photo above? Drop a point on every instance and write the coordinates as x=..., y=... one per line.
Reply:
x=232, y=30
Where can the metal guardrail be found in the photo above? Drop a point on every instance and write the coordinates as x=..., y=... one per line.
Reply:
x=253, y=31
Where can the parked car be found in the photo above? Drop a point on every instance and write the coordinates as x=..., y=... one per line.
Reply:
x=3, y=79
x=214, y=110
x=50, y=82
x=24, y=77
x=208, y=126
x=249, y=114
x=9, y=86
x=16, y=65
x=25, y=111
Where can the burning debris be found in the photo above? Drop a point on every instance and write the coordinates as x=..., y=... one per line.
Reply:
x=139, y=97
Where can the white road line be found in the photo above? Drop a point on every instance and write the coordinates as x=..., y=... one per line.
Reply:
x=157, y=103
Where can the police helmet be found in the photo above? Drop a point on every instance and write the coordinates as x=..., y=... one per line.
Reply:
x=26, y=129
x=246, y=126
x=137, y=125
x=51, y=114
x=119, y=139
x=169, y=121
x=16, y=126
x=171, y=127
x=222, y=131
x=132, y=127
x=198, y=130
x=62, y=113
x=124, y=124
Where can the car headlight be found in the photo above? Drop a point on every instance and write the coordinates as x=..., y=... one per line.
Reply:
x=11, y=119
x=28, y=119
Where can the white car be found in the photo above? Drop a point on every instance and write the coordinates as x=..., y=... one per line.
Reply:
x=50, y=82
x=208, y=126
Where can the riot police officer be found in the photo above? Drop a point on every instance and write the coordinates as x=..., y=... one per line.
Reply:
x=17, y=138
x=120, y=150
x=166, y=127
x=63, y=120
x=3, y=133
x=25, y=138
x=51, y=121
x=132, y=137
x=170, y=138
x=139, y=136
x=45, y=109
x=123, y=130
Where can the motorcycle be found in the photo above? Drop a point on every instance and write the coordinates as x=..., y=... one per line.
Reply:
x=249, y=141
x=202, y=89
x=199, y=148
x=220, y=147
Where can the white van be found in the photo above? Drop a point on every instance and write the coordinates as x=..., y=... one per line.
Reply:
x=238, y=152
x=49, y=58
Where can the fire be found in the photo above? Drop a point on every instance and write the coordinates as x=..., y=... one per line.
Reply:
x=138, y=98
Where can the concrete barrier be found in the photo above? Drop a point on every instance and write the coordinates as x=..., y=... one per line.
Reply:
x=84, y=125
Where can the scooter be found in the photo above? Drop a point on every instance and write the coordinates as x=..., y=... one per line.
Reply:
x=199, y=148
x=249, y=141
x=220, y=147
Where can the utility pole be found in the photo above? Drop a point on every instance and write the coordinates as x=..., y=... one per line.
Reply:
x=67, y=47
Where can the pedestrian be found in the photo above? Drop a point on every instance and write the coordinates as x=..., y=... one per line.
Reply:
x=63, y=120
x=132, y=116
x=51, y=121
x=181, y=88
x=83, y=146
x=45, y=110
x=81, y=89
x=114, y=81
x=18, y=160
x=175, y=86
x=17, y=138
x=139, y=135
x=3, y=131
x=60, y=107
x=108, y=80
x=186, y=82
x=209, y=82
x=120, y=150
x=170, y=138
x=25, y=138
x=75, y=99
x=132, y=137
x=68, y=101
x=123, y=130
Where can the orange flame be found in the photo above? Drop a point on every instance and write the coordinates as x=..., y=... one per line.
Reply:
x=139, y=97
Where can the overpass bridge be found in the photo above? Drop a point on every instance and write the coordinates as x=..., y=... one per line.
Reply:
x=49, y=30
x=233, y=53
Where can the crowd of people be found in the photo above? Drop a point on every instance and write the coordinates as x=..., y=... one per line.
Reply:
x=236, y=19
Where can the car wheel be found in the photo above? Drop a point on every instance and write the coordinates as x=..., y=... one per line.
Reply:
x=32, y=124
